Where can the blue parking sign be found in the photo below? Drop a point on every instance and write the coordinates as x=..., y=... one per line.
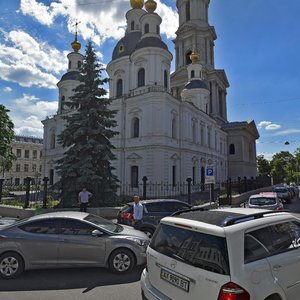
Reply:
x=209, y=172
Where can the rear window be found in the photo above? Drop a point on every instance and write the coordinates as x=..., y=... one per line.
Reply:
x=262, y=201
x=281, y=190
x=200, y=250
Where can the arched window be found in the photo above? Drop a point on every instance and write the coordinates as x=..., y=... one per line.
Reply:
x=135, y=127
x=187, y=11
x=192, y=74
x=79, y=64
x=146, y=28
x=141, y=77
x=62, y=103
x=174, y=128
x=220, y=103
x=188, y=60
x=70, y=64
x=231, y=149
x=166, y=79
x=134, y=176
x=52, y=140
x=194, y=132
x=157, y=29
x=119, y=87
x=132, y=25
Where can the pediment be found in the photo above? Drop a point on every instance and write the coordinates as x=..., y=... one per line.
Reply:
x=134, y=156
x=175, y=156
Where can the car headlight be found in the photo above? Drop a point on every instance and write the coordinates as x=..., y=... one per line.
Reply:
x=140, y=242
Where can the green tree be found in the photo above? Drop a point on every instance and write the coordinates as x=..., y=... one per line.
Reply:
x=281, y=165
x=263, y=165
x=87, y=160
x=6, y=138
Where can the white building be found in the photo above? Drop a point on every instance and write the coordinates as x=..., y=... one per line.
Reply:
x=171, y=126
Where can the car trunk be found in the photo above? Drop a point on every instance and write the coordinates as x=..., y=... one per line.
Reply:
x=194, y=268
x=165, y=274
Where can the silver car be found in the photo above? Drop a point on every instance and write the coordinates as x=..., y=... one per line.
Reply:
x=69, y=239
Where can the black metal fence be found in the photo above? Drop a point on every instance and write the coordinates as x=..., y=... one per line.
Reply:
x=186, y=191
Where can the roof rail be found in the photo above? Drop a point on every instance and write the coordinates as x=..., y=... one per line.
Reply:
x=188, y=210
x=254, y=216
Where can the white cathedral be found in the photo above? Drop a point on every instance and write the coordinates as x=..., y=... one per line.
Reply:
x=171, y=126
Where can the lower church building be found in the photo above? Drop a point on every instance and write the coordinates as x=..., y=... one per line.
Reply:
x=171, y=126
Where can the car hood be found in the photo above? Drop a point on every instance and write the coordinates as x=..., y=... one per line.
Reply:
x=130, y=231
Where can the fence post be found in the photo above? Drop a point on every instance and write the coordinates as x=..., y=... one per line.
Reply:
x=144, y=187
x=1, y=186
x=212, y=192
x=239, y=181
x=230, y=191
x=27, y=180
x=45, y=192
x=189, y=181
x=227, y=190
x=245, y=184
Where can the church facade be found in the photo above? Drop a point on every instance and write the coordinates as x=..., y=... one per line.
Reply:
x=171, y=126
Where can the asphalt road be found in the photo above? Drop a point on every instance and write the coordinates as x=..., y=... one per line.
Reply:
x=81, y=284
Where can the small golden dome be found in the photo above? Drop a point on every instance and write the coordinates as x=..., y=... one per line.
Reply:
x=76, y=45
x=194, y=57
x=137, y=3
x=150, y=6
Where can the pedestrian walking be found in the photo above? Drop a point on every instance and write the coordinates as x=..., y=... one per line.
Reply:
x=137, y=212
x=83, y=199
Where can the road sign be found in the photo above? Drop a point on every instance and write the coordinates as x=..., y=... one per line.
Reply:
x=209, y=176
x=209, y=172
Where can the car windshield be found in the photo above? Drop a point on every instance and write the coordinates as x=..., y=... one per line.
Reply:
x=262, y=201
x=281, y=190
x=103, y=223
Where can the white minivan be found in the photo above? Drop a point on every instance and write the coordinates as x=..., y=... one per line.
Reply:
x=224, y=254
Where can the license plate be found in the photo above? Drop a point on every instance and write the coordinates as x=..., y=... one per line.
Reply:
x=175, y=280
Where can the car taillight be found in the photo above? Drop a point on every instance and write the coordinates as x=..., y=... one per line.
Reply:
x=232, y=291
x=126, y=216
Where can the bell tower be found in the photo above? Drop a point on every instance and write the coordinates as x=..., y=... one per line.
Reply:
x=195, y=34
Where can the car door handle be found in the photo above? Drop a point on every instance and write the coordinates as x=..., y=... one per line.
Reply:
x=277, y=267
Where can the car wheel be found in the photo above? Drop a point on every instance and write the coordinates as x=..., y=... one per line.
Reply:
x=11, y=265
x=121, y=261
x=148, y=231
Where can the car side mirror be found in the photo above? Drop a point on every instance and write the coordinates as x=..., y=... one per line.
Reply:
x=97, y=233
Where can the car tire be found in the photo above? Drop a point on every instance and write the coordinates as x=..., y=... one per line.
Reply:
x=121, y=261
x=11, y=265
x=148, y=231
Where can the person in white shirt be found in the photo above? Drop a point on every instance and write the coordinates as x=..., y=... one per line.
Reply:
x=137, y=212
x=83, y=199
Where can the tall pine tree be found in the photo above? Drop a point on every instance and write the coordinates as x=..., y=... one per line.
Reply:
x=87, y=160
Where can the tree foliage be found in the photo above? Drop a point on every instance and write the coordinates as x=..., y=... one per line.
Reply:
x=87, y=160
x=263, y=165
x=6, y=138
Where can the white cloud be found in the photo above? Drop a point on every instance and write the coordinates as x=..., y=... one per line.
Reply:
x=29, y=62
x=31, y=105
x=267, y=125
x=267, y=155
x=7, y=89
x=287, y=131
x=273, y=127
x=98, y=21
x=264, y=124
x=28, y=113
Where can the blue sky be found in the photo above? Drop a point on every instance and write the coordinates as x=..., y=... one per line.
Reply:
x=258, y=45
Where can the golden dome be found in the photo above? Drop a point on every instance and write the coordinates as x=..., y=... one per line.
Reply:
x=194, y=57
x=137, y=3
x=76, y=45
x=150, y=6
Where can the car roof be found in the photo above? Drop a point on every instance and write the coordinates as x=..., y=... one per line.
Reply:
x=225, y=217
x=265, y=195
x=60, y=214
x=158, y=201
